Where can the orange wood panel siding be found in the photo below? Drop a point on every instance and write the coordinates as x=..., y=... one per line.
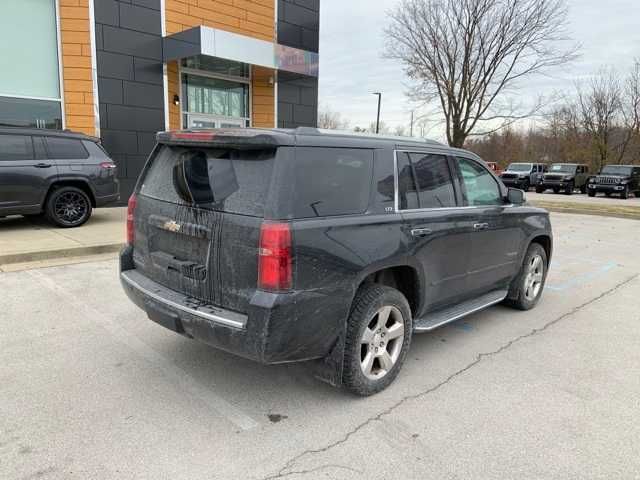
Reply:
x=254, y=18
x=263, y=97
x=173, y=89
x=76, y=66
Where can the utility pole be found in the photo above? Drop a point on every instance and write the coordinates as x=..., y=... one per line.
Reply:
x=378, y=118
x=411, y=134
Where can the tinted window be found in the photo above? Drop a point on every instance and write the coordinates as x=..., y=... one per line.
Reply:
x=480, y=188
x=407, y=190
x=225, y=180
x=16, y=147
x=433, y=180
x=66, y=148
x=331, y=181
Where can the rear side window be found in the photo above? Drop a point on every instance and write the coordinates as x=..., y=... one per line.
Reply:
x=331, y=181
x=225, y=180
x=16, y=147
x=66, y=148
x=424, y=181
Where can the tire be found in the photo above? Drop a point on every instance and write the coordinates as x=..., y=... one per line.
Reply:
x=569, y=189
x=526, y=186
x=526, y=290
x=363, y=326
x=583, y=189
x=68, y=207
x=556, y=190
x=625, y=193
x=592, y=193
x=539, y=189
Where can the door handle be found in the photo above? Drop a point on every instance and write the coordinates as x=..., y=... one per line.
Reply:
x=42, y=165
x=421, y=232
x=480, y=226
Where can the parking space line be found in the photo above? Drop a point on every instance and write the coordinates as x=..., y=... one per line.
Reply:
x=581, y=279
x=180, y=379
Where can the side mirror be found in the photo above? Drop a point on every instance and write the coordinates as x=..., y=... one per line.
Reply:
x=515, y=196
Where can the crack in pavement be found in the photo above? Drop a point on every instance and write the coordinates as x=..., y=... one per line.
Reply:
x=282, y=473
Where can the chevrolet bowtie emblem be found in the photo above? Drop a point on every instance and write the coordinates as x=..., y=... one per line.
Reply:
x=172, y=226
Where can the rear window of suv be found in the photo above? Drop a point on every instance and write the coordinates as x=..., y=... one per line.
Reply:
x=220, y=179
x=330, y=181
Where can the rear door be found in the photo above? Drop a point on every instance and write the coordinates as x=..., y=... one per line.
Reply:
x=69, y=154
x=25, y=173
x=496, y=234
x=197, y=221
x=434, y=228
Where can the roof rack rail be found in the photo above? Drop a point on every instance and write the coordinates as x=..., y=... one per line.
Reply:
x=347, y=133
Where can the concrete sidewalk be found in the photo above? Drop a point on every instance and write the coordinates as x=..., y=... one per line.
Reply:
x=24, y=240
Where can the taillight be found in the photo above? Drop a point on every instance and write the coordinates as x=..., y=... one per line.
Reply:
x=275, y=265
x=131, y=208
x=107, y=165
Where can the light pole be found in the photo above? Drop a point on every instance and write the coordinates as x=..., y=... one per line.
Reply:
x=378, y=117
x=411, y=134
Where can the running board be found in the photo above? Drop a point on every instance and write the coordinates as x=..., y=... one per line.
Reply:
x=433, y=320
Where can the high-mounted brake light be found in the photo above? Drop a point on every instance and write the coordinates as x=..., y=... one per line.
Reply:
x=131, y=208
x=194, y=136
x=274, y=257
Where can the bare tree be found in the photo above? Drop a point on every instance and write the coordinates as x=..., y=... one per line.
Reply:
x=631, y=99
x=331, y=120
x=602, y=115
x=468, y=55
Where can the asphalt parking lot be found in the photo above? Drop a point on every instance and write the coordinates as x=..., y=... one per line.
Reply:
x=89, y=388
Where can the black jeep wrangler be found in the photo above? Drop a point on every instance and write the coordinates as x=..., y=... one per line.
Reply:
x=621, y=179
x=566, y=177
x=294, y=245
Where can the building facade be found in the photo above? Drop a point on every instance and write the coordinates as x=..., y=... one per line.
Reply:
x=124, y=69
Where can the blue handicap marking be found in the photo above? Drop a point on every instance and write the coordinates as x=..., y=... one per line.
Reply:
x=463, y=326
x=583, y=278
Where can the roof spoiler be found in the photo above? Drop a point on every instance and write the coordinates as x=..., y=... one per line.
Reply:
x=239, y=138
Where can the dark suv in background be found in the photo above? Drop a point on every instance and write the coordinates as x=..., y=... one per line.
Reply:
x=566, y=177
x=523, y=175
x=292, y=245
x=62, y=175
x=620, y=179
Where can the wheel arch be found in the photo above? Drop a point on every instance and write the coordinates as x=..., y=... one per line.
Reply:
x=78, y=183
x=403, y=277
x=546, y=242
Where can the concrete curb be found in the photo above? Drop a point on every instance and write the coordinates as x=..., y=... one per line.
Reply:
x=630, y=214
x=59, y=253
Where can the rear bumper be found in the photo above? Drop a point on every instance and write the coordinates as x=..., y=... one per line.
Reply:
x=277, y=328
x=107, y=199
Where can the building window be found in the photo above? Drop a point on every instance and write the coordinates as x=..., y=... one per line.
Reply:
x=29, y=62
x=215, y=93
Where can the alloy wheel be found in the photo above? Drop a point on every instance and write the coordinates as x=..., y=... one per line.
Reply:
x=381, y=342
x=70, y=207
x=533, y=278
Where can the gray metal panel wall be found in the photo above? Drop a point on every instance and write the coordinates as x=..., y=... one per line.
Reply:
x=130, y=91
x=298, y=27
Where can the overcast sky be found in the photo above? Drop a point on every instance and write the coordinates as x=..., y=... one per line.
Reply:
x=351, y=66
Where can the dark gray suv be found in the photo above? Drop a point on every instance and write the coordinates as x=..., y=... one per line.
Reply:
x=294, y=245
x=62, y=175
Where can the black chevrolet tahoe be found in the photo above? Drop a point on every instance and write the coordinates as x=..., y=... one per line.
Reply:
x=59, y=174
x=620, y=179
x=301, y=245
